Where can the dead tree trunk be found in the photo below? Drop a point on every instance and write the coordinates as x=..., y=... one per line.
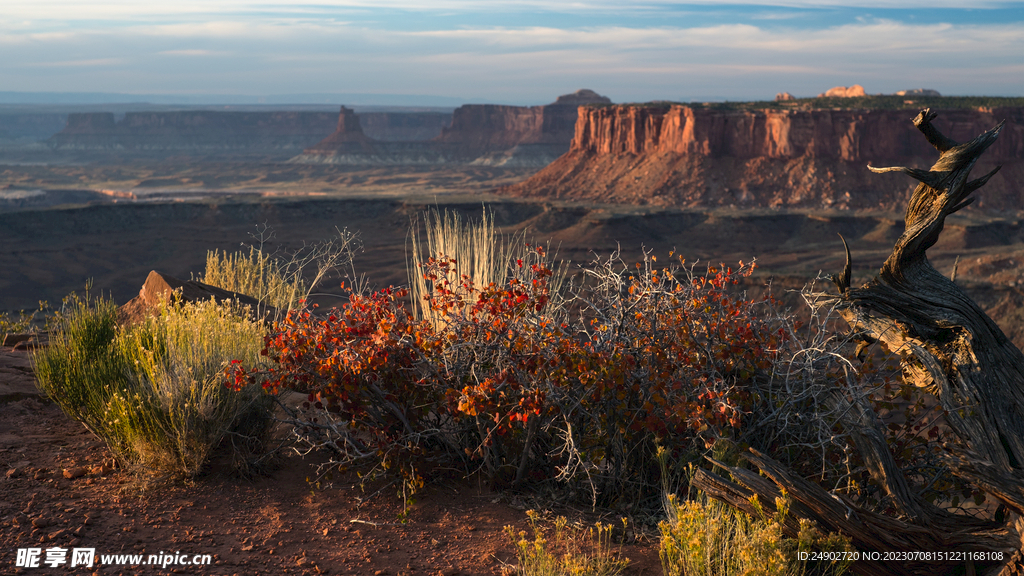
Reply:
x=948, y=346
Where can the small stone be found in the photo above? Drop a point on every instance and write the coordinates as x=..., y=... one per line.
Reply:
x=41, y=522
x=57, y=534
x=13, y=473
x=39, y=475
x=326, y=530
x=78, y=472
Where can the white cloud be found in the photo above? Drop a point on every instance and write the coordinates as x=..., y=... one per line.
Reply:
x=266, y=54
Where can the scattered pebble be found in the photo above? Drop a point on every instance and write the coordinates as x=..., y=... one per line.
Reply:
x=41, y=522
x=78, y=472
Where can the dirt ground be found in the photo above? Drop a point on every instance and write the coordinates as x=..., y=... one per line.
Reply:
x=274, y=524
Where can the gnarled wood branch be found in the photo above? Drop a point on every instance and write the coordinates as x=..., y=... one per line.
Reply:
x=949, y=345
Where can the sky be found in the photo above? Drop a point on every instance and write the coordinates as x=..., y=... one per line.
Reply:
x=514, y=52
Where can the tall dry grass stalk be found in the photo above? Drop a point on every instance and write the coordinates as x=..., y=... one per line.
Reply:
x=482, y=255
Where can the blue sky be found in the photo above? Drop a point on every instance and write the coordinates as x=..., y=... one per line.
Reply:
x=510, y=51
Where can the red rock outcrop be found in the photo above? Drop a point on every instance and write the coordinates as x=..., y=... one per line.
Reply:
x=347, y=137
x=919, y=92
x=844, y=92
x=159, y=289
x=684, y=156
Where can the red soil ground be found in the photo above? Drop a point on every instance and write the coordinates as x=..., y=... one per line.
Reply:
x=273, y=524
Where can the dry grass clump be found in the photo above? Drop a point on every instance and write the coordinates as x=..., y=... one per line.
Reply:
x=255, y=274
x=154, y=392
x=284, y=281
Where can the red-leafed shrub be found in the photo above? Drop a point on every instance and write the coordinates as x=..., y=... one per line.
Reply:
x=581, y=385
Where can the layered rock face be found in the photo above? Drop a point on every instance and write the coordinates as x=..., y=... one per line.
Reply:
x=482, y=134
x=404, y=126
x=193, y=130
x=684, y=156
x=26, y=129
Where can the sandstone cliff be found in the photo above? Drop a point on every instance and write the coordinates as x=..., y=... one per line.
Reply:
x=193, y=130
x=685, y=156
x=481, y=134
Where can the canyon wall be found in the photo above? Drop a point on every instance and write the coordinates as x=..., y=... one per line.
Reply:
x=193, y=130
x=404, y=126
x=479, y=134
x=28, y=129
x=684, y=156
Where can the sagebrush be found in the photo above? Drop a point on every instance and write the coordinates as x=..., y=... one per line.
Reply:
x=153, y=391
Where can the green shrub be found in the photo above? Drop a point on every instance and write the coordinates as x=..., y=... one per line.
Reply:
x=704, y=537
x=153, y=392
x=25, y=321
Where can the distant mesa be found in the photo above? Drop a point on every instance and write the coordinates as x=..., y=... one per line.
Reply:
x=581, y=98
x=844, y=92
x=694, y=156
x=193, y=130
x=218, y=130
x=857, y=91
x=479, y=134
x=919, y=92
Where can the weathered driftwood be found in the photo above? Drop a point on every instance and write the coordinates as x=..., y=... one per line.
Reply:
x=949, y=347
x=948, y=344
